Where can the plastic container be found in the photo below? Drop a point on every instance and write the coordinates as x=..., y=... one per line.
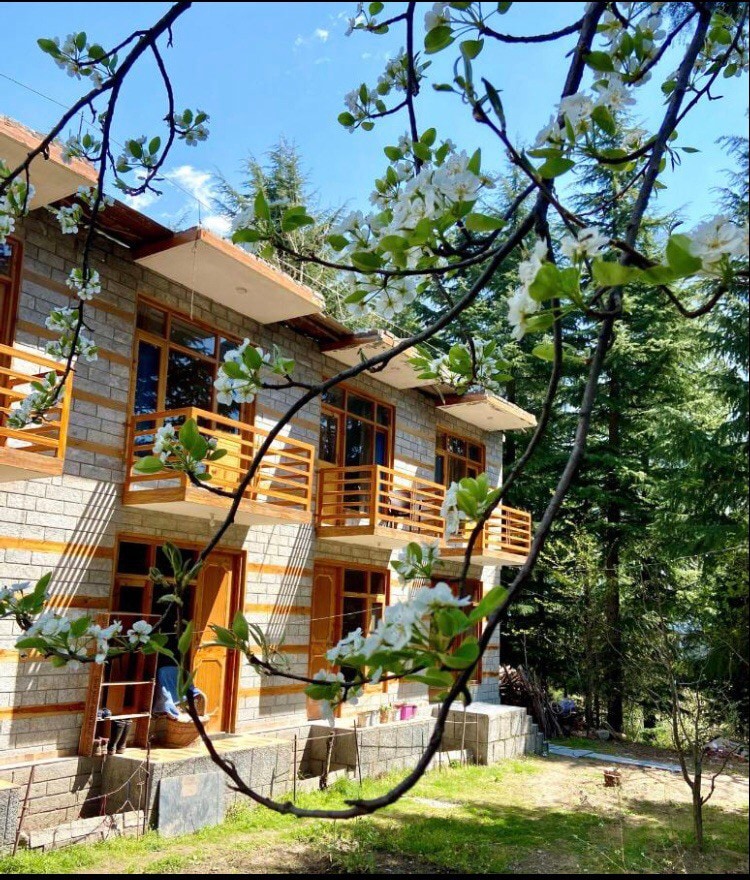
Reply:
x=407, y=711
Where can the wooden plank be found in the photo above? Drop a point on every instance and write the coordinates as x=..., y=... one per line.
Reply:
x=56, y=547
x=37, y=711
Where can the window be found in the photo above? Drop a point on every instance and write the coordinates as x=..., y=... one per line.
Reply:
x=177, y=361
x=10, y=276
x=134, y=598
x=344, y=598
x=457, y=457
x=355, y=429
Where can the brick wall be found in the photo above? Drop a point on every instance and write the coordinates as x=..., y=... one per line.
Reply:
x=69, y=524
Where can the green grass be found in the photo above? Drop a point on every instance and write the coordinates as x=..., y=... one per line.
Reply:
x=523, y=816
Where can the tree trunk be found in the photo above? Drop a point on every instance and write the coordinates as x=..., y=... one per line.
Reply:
x=613, y=673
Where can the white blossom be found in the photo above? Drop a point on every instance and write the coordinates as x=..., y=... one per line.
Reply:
x=520, y=307
x=589, y=243
x=718, y=238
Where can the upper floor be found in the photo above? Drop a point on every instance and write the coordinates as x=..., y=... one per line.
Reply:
x=368, y=463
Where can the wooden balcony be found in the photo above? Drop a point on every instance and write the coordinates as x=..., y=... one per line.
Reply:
x=281, y=491
x=36, y=450
x=377, y=506
x=505, y=539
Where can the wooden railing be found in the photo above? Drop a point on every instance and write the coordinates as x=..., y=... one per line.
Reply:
x=284, y=478
x=18, y=369
x=508, y=531
x=373, y=496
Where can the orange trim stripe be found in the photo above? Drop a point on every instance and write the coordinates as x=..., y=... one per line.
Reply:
x=280, y=689
x=44, y=333
x=35, y=711
x=288, y=570
x=51, y=284
x=55, y=547
x=252, y=608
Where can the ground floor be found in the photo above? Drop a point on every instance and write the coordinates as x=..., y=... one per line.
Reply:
x=525, y=816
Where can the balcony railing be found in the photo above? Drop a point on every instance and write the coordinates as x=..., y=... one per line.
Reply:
x=38, y=450
x=378, y=506
x=505, y=539
x=280, y=490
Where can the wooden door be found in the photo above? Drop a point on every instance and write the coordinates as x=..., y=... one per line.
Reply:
x=213, y=604
x=324, y=623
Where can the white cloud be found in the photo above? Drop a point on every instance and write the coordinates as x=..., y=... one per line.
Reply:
x=200, y=185
x=217, y=224
x=320, y=34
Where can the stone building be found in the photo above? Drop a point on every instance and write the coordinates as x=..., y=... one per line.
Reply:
x=355, y=477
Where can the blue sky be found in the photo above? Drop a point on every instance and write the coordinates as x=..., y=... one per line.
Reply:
x=266, y=69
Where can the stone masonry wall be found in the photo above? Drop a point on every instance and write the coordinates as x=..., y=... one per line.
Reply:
x=70, y=524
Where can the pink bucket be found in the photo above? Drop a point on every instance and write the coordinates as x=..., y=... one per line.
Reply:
x=407, y=711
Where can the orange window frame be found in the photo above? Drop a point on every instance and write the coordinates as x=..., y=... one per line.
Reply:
x=444, y=456
x=165, y=344
x=10, y=290
x=342, y=412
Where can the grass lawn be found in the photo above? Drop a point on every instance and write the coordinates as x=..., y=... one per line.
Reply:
x=529, y=816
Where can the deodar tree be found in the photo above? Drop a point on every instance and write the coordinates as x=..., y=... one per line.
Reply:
x=431, y=234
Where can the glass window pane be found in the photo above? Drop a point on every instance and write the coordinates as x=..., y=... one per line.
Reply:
x=456, y=470
x=334, y=397
x=439, y=469
x=377, y=583
x=381, y=448
x=190, y=336
x=475, y=452
x=355, y=581
x=384, y=416
x=133, y=558
x=359, y=406
x=147, y=378
x=329, y=432
x=376, y=612
x=130, y=599
x=6, y=259
x=151, y=319
x=359, y=445
x=229, y=411
x=456, y=445
x=354, y=615
x=189, y=382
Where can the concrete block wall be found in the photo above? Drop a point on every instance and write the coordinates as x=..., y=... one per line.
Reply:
x=70, y=524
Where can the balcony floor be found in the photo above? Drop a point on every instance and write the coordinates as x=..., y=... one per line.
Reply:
x=199, y=503
x=365, y=535
x=485, y=558
x=15, y=464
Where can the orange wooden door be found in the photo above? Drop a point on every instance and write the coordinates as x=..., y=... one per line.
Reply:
x=324, y=623
x=211, y=664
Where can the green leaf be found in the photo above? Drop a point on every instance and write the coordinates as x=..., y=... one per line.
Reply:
x=547, y=283
x=49, y=46
x=79, y=626
x=366, y=260
x=337, y=242
x=544, y=351
x=450, y=621
x=489, y=603
x=149, y=464
x=295, y=218
x=554, y=167
x=471, y=48
x=189, y=435
x=600, y=61
x=224, y=636
x=240, y=628
x=438, y=38
x=438, y=678
x=679, y=257
x=463, y=656
x=261, y=207
x=495, y=102
x=249, y=236
x=483, y=223
x=186, y=639
x=612, y=274
x=605, y=120
x=31, y=642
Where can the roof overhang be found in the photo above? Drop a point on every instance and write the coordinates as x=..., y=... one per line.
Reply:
x=209, y=265
x=486, y=411
x=51, y=178
x=398, y=372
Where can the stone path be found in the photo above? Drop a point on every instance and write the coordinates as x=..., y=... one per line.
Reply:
x=565, y=752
